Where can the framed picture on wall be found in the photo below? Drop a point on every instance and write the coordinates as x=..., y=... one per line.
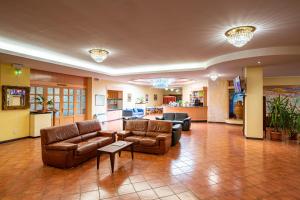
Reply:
x=15, y=97
x=155, y=97
x=146, y=98
x=129, y=97
x=99, y=100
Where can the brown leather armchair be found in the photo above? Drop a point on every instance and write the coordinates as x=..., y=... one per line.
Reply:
x=69, y=145
x=149, y=136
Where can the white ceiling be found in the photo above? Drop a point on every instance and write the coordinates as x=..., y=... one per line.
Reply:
x=170, y=38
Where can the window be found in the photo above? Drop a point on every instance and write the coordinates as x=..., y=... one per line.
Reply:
x=68, y=102
x=53, y=94
x=80, y=101
x=34, y=93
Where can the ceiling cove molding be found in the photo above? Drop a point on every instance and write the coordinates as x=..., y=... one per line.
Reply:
x=36, y=53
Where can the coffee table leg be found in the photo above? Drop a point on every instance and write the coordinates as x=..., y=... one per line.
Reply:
x=132, y=151
x=98, y=160
x=112, y=162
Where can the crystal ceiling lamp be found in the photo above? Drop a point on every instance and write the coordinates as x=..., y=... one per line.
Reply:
x=214, y=76
x=99, y=55
x=162, y=82
x=239, y=36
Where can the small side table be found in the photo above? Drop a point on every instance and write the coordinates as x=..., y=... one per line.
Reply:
x=112, y=149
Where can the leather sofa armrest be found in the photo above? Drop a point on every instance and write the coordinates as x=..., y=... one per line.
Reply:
x=176, y=127
x=63, y=146
x=107, y=133
x=162, y=137
x=123, y=134
x=159, y=118
x=187, y=119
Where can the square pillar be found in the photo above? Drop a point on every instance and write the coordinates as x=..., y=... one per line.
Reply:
x=253, y=122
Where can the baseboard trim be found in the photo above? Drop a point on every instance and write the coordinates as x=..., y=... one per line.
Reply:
x=13, y=140
x=253, y=138
x=216, y=122
x=224, y=123
x=198, y=120
x=34, y=137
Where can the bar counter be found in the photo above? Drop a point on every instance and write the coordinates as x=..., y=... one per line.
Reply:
x=197, y=113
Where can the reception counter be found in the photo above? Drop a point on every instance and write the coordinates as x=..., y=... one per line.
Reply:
x=197, y=113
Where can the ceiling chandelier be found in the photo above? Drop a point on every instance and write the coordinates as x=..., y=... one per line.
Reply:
x=162, y=82
x=99, y=55
x=239, y=36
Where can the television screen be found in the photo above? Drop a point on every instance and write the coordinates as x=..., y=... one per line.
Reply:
x=237, y=84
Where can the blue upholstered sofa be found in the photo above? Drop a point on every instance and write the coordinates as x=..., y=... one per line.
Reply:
x=134, y=112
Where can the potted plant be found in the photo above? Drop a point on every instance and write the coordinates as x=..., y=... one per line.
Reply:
x=294, y=122
x=279, y=117
x=44, y=103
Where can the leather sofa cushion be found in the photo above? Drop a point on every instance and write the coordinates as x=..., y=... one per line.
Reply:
x=136, y=125
x=134, y=139
x=160, y=126
x=58, y=133
x=100, y=141
x=74, y=140
x=180, y=116
x=86, y=147
x=169, y=116
x=148, y=141
x=153, y=134
x=141, y=133
x=62, y=146
x=88, y=126
x=89, y=135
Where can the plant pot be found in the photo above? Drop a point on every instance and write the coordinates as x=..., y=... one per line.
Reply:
x=293, y=137
x=276, y=136
x=238, y=110
x=268, y=132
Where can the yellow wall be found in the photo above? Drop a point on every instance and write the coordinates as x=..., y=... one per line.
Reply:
x=254, y=102
x=13, y=123
x=287, y=80
x=101, y=87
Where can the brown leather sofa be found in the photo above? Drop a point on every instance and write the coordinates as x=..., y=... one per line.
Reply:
x=149, y=136
x=69, y=145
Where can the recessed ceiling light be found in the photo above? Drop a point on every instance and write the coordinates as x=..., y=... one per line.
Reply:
x=99, y=55
x=241, y=35
x=214, y=76
x=258, y=62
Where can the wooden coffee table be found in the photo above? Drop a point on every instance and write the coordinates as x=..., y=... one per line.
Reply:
x=112, y=149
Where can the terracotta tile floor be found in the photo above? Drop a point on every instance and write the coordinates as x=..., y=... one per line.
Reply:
x=212, y=161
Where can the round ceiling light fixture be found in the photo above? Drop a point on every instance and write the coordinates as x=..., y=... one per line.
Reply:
x=241, y=35
x=99, y=55
x=214, y=76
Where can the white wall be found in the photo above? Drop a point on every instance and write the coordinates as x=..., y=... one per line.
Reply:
x=189, y=88
x=101, y=87
x=217, y=100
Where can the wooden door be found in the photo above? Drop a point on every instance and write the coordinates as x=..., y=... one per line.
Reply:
x=69, y=102
x=67, y=106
